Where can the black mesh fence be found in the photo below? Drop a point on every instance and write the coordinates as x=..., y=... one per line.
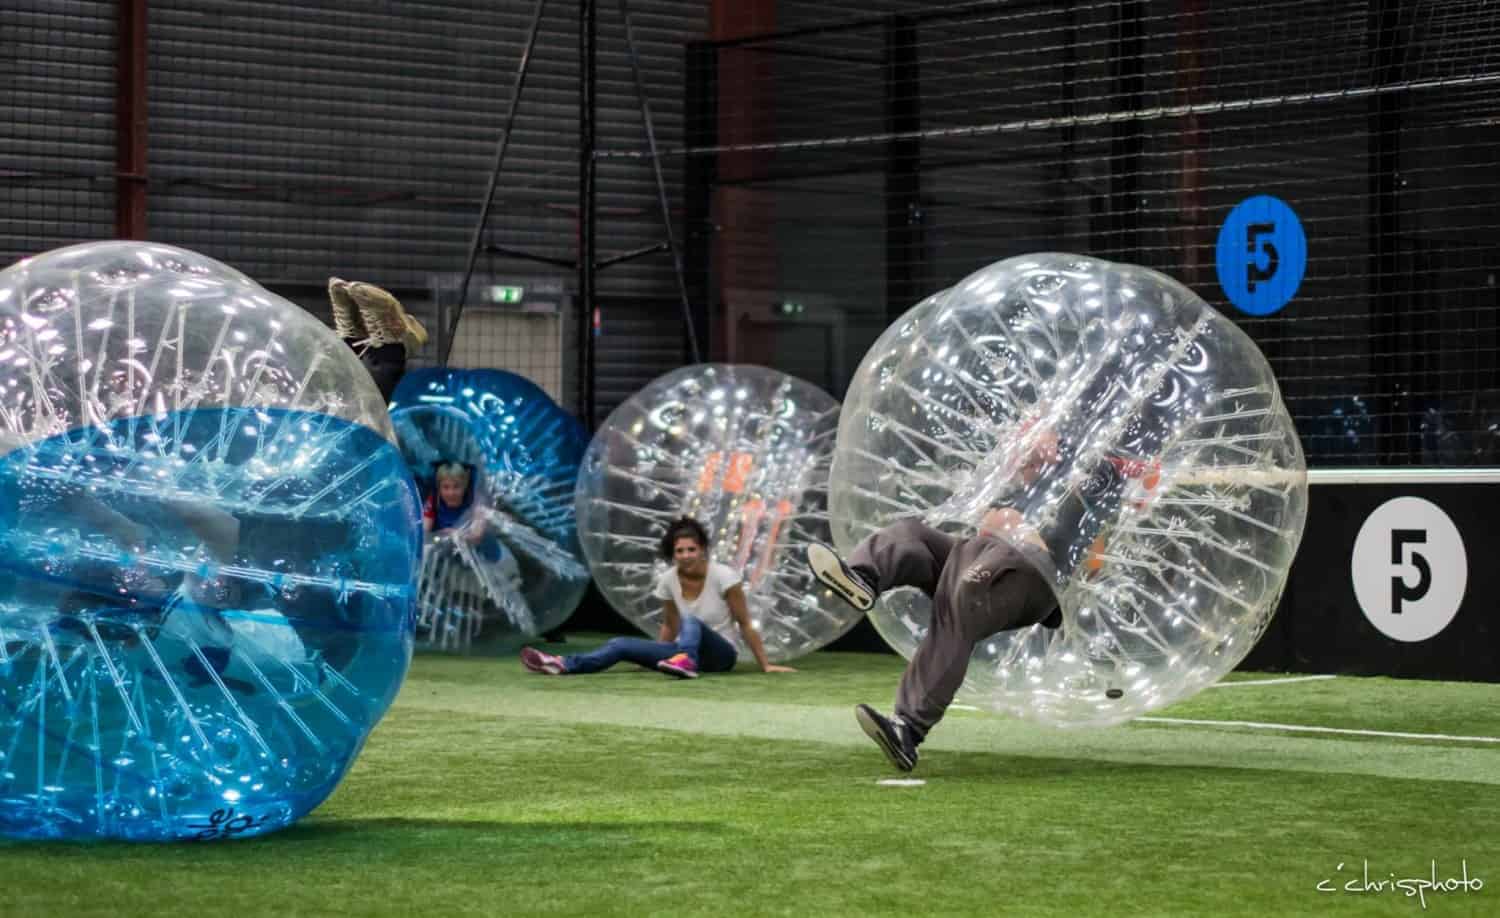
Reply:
x=827, y=165
x=854, y=159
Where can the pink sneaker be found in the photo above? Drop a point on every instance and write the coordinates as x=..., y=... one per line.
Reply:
x=544, y=663
x=680, y=665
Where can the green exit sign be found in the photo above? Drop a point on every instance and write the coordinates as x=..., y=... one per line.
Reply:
x=508, y=295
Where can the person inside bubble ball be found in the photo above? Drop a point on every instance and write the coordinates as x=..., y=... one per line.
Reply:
x=192, y=609
x=450, y=508
x=996, y=580
x=698, y=598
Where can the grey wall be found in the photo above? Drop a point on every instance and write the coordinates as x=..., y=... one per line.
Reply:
x=343, y=137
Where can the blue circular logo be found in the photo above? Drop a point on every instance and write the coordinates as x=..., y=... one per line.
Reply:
x=1262, y=255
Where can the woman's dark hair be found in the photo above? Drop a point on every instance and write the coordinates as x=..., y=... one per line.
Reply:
x=685, y=528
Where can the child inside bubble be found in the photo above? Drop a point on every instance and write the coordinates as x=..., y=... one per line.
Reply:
x=451, y=505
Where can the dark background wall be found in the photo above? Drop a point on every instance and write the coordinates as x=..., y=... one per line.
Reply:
x=301, y=140
x=897, y=147
x=827, y=164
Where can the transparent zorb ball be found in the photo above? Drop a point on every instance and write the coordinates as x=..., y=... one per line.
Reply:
x=745, y=451
x=1140, y=436
x=208, y=549
x=509, y=567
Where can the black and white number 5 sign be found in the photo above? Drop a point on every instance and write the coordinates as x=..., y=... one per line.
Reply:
x=1409, y=569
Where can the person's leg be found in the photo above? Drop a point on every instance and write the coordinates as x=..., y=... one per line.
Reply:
x=690, y=635
x=698, y=647
x=619, y=650
x=386, y=365
x=218, y=532
x=907, y=553
x=985, y=589
x=716, y=653
x=376, y=326
x=100, y=517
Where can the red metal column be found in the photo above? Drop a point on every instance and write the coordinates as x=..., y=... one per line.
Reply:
x=744, y=256
x=131, y=122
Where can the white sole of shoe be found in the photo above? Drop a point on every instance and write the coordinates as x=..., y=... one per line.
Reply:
x=831, y=571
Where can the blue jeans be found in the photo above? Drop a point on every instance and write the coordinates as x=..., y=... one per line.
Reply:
x=707, y=647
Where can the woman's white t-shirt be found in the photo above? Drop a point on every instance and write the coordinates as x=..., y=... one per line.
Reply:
x=709, y=605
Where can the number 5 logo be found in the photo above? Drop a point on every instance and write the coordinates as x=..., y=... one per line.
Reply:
x=1400, y=592
x=1409, y=569
x=1261, y=255
x=1260, y=240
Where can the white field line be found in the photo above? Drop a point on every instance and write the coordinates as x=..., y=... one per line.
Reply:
x=1278, y=681
x=1303, y=728
x=1244, y=682
x=1290, y=728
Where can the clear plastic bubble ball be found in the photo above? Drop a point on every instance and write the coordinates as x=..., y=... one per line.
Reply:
x=504, y=564
x=745, y=451
x=209, y=549
x=1142, y=440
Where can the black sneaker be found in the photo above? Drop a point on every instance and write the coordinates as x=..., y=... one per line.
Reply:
x=893, y=737
x=831, y=570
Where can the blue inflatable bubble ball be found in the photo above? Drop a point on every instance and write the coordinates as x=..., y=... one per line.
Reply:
x=209, y=548
x=497, y=460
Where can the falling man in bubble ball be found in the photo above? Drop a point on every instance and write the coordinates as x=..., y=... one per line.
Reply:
x=994, y=581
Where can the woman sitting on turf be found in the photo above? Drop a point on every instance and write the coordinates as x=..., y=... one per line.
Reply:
x=698, y=596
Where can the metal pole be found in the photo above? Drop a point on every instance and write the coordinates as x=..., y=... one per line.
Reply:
x=588, y=23
x=1398, y=436
x=131, y=122
x=904, y=249
x=1127, y=145
x=700, y=173
x=661, y=185
x=489, y=195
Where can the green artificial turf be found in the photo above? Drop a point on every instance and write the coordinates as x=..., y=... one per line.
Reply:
x=489, y=791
